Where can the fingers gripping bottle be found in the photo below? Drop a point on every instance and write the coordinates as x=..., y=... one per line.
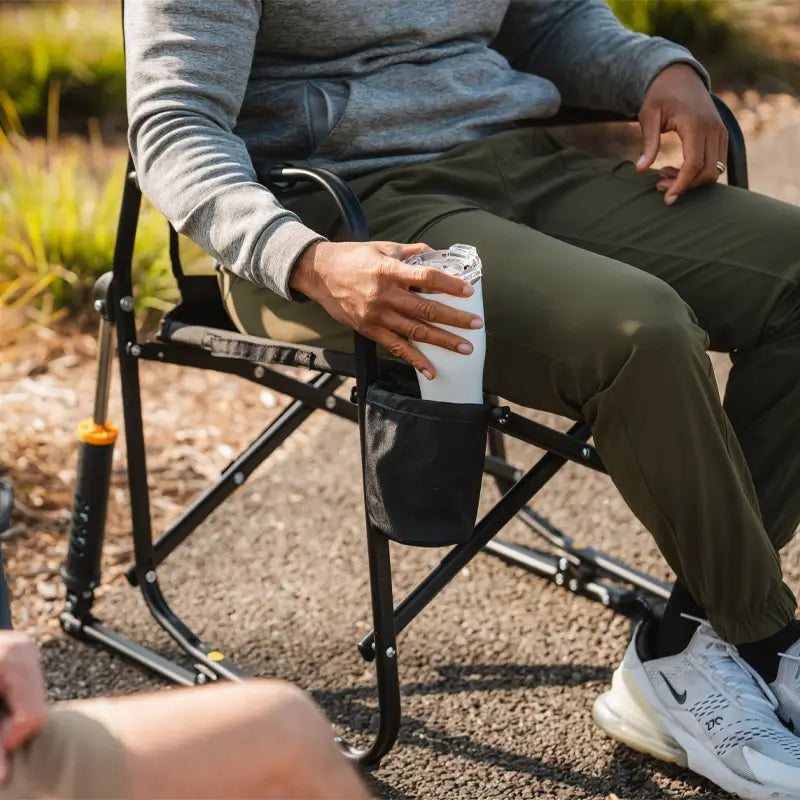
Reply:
x=459, y=378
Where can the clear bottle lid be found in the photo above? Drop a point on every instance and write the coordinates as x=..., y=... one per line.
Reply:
x=461, y=260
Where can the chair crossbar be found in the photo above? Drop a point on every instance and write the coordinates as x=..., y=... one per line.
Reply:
x=227, y=344
x=261, y=374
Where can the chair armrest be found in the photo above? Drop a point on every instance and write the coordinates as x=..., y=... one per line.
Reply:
x=345, y=198
x=737, y=152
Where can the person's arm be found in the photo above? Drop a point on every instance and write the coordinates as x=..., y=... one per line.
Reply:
x=22, y=694
x=594, y=61
x=188, y=63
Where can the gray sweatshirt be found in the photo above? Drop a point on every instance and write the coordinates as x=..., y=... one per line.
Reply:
x=220, y=90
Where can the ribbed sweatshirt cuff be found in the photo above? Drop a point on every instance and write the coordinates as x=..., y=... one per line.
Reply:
x=279, y=254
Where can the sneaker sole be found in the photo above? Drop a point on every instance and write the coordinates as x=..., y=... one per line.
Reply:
x=625, y=716
x=634, y=715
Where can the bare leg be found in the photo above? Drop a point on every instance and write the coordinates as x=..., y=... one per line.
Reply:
x=261, y=739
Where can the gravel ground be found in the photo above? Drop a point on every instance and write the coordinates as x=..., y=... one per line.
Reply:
x=498, y=675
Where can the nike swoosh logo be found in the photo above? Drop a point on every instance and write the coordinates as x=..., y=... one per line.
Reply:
x=770, y=772
x=680, y=698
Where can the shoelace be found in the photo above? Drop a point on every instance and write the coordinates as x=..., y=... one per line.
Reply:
x=796, y=660
x=736, y=674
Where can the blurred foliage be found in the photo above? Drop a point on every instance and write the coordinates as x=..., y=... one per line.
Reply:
x=59, y=203
x=706, y=26
x=77, y=48
x=718, y=34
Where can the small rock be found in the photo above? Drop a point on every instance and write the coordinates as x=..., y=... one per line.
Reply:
x=267, y=398
x=48, y=590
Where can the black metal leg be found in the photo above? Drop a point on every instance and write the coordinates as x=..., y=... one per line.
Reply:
x=380, y=574
x=385, y=657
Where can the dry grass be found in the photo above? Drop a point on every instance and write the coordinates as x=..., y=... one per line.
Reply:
x=59, y=204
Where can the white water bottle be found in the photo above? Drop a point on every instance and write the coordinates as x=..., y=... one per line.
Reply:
x=459, y=378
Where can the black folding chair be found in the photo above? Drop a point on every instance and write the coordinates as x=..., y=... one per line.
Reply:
x=198, y=333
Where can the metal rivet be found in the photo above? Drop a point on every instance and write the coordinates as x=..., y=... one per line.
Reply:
x=586, y=452
x=201, y=679
x=330, y=402
x=559, y=579
x=391, y=652
x=135, y=350
x=99, y=306
x=126, y=303
x=259, y=372
x=573, y=585
x=150, y=576
x=87, y=594
x=161, y=354
x=238, y=478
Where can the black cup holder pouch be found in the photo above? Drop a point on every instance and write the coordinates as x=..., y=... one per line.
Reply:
x=423, y=467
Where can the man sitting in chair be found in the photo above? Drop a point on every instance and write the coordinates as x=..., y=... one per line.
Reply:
x=605, y=283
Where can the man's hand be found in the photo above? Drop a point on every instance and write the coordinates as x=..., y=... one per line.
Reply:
x=22, y=691
x=367, y=287
x=678, y=100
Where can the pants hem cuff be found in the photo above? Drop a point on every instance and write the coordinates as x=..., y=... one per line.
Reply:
x=775, y=614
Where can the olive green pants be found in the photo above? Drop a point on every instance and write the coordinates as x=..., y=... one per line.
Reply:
x=600, y=305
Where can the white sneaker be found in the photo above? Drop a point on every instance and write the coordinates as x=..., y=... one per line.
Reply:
x=786, y=687
x=704, y=708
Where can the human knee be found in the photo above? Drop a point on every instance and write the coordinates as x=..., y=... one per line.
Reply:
x=654, y=329
x=288, y=709
x=305, y=737
x=284, y=700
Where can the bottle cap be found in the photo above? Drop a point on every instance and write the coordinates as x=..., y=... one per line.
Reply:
x=461, y=260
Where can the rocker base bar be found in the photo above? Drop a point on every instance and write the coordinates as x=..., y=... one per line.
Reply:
x=582, y=556
x=93, y=630
x=625, y=601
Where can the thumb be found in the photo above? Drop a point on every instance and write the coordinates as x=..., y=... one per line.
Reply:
x=404, y=251
x=650, y=120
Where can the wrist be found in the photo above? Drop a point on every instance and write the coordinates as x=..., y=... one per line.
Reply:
x=303, y=277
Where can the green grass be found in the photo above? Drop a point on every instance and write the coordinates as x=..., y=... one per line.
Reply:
x=59, y=203
x=76, y=48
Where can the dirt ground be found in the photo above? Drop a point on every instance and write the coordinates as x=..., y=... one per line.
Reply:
x=498, y=676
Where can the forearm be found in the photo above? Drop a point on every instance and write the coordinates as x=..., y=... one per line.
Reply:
x=590, y=56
